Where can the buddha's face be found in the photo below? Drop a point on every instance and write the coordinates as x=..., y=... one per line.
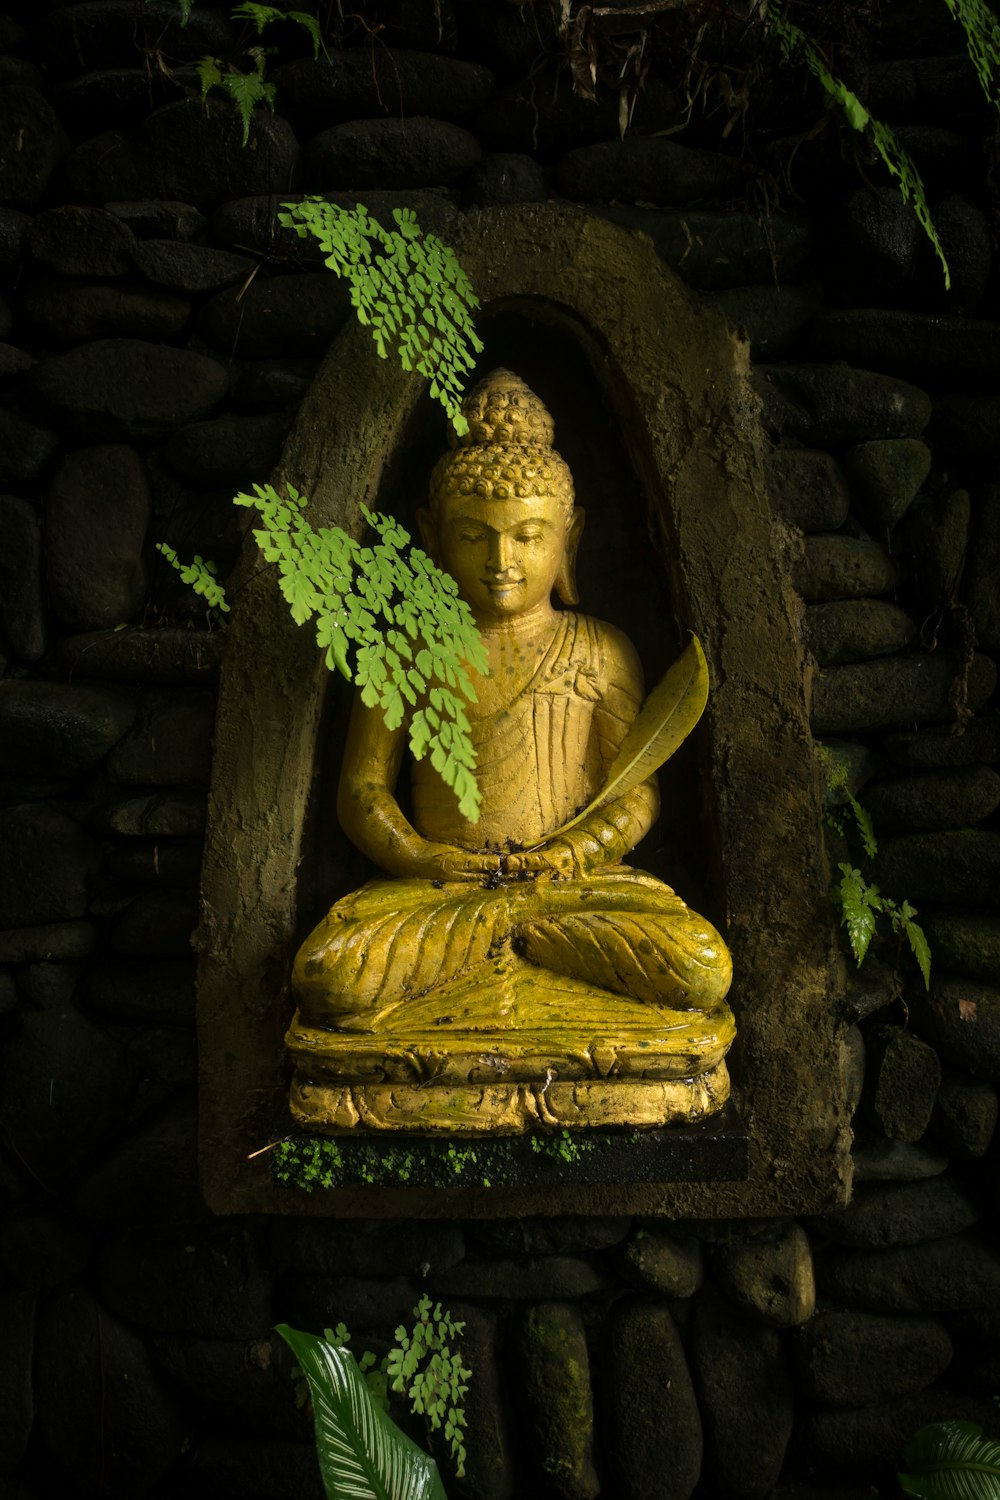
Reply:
x=505, y=555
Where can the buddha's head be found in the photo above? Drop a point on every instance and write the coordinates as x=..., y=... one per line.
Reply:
x=501, y=517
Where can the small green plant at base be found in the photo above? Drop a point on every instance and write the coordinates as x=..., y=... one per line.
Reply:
x=307, y=1164
x=458, y=1158
x=562, y=1147
x=424, y=1367
x=407, y=286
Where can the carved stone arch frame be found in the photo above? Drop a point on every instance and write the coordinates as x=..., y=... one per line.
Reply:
x=677, y=380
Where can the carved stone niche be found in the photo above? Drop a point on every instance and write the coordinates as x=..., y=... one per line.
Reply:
x=648, y=386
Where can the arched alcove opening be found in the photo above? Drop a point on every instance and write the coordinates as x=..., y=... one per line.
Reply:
x=624, y=576
x=670, y=384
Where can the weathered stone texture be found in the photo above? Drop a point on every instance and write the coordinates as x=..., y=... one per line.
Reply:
x=885, y=475
x=827, y=405
x=559, y=1404
x=191, y=151
x=654, y=1436
x=901, y=1214
x=842, y=567
x=171, y=745
x=280, y=315
x=117, y=388
x=713, y=250
x=27, y=118
x=897, y=691
x=848, y=630
x=945, y=1275
x=98, y=514
x=934, y=538
x=362, y=83
x=746, y=1398
x=962, y=866
x=645, y=169
x=71, y=312
x=664, y=1263
x=902, y=1083
x=189, y=268
x=22, y=616
x=858, y=1358
x=205, y=1281
x=77, y=241
x=966, y=943
x=807, y=488
x=961, y=1018
x=415, y=152
x=937, y=800
x=102, y=1414
x=965, y=1115
x=770, y=1275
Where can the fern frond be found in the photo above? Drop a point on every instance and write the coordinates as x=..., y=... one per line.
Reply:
x=387, y=619
x=897, y=160
x=200, y=575
x=406, y=286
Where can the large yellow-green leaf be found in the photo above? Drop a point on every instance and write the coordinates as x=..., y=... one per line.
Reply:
x=661, y=726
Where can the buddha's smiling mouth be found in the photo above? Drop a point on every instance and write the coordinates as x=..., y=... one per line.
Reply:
x=502, y=585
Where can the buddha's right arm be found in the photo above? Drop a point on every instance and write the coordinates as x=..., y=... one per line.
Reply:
x=372, y=818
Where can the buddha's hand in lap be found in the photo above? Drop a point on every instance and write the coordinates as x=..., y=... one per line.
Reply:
x=447, y=862
x=571, y=858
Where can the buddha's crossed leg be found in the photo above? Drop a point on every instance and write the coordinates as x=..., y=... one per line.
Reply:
x=622, y=932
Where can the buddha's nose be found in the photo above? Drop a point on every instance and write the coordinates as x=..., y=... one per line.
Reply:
x=499, y=558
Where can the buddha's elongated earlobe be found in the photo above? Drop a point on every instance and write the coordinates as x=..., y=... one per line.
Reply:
x=428, y=533
x=566, y=577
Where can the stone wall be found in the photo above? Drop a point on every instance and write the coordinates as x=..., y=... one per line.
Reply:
x=160, y=336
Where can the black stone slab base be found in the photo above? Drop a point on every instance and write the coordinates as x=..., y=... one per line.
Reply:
x=714, y=1151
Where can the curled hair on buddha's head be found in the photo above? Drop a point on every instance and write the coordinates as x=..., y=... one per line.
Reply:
x=507, y=453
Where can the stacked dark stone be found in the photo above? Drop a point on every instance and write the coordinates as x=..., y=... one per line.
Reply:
x=159, y=332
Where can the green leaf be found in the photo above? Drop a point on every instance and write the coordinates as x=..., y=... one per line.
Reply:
x=199, y=575
x=248, y=90
x=952, y=1461
x=209, y=73
x=860, y=904
x=663, y=723
x=311, y=25
x=895, y=158
x=362, y=1453
x=917, y=940
x=866, y=828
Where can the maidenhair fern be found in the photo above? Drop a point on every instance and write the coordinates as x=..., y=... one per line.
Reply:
x=982, y=37
x=407, y=286
x=200, y=574
x=898, y=161
x=424, y=1367
x=388, y=620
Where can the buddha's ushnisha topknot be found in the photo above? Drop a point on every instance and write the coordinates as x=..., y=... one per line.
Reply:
x=507, y=453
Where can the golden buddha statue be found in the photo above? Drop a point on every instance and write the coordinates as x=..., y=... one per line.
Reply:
x=503, y=976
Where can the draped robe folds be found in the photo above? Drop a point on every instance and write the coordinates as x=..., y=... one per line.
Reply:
x=608, y=973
